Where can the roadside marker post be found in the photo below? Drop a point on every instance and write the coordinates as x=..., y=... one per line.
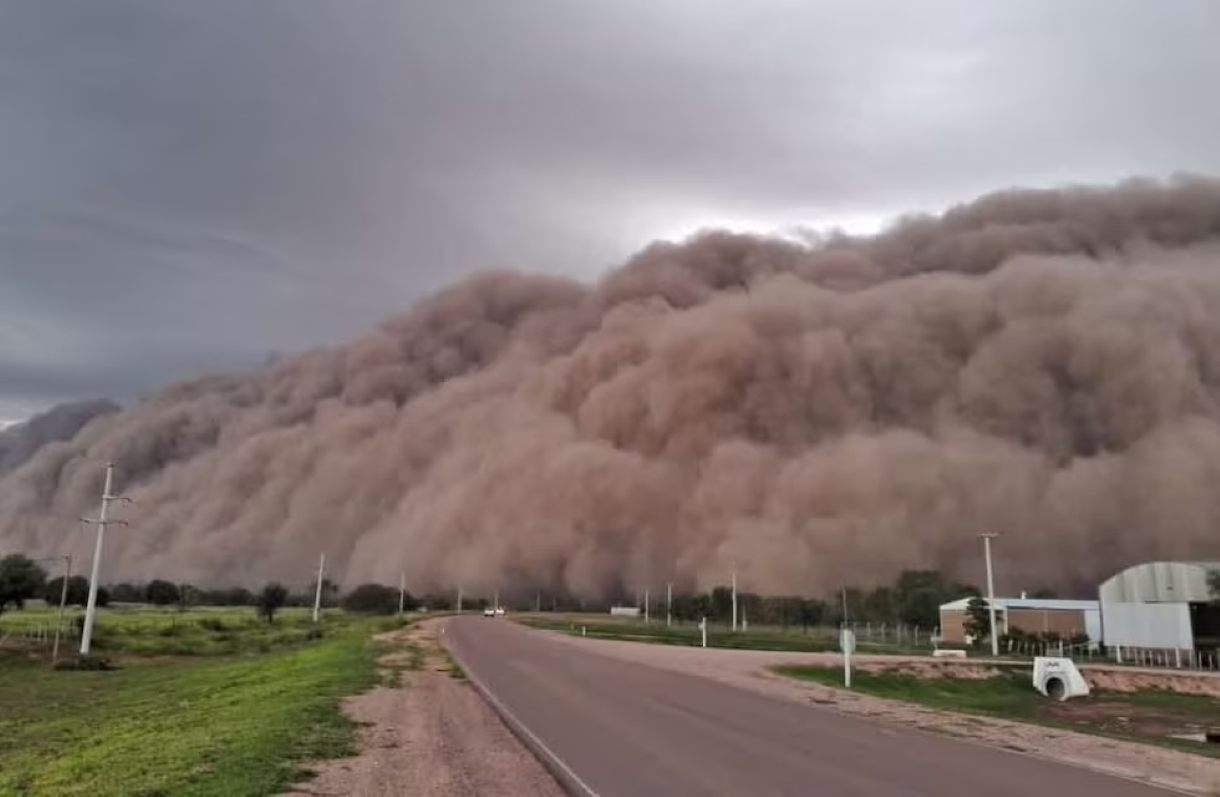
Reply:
x=847, y=641
x=703, y=629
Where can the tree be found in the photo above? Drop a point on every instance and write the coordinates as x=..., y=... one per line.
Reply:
x=376, y=599
x=20, y=579
x=273, y=596
x=919, y=595
x=126, y=593
x=722, y=603
x=330, y=593
x=187, y=596
x=78, y=591
x=978, y=620
x=161, y=593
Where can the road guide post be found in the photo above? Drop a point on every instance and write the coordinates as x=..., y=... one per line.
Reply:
x=703, y=629
x=847, y=642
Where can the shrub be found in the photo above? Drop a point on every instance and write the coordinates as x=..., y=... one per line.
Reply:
x=372, y=599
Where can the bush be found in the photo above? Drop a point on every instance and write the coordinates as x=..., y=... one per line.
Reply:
x=161, y=593
x=271, y=599
x=372, y=599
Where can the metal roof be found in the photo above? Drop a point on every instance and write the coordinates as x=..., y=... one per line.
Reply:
x=1046, y=604
x=1159, y=582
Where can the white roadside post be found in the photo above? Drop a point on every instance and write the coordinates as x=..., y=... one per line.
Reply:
x=703, y=629
x=847, y=641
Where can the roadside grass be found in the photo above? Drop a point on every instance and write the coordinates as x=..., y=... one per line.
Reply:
x=211, y=724
x=150, y=631
x=1148, y=716
x=795, y=639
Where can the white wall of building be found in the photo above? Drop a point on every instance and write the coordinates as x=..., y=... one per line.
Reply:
x=1147, y=625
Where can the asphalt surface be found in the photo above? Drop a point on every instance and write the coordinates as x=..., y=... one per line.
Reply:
x=633, y=730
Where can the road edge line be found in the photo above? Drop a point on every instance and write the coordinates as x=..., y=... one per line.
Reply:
x=563, y=774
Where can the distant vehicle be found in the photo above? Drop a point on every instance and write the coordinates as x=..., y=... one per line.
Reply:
x=489, y=612
x=499, y=610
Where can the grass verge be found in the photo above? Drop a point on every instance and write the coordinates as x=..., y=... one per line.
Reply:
x=204, y=726
x=793, y=639
x=1149, y=716
x=658, y=633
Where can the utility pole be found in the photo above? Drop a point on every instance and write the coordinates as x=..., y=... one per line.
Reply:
x=402, y=592
x=734, y=600
x=995, y=641
x=669, y=604
x=844, y=607
x=86, y=636
x=317, y=595
x=459, y=602
x=645, y=606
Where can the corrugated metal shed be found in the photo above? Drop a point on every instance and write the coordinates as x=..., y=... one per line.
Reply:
x=1159, y=582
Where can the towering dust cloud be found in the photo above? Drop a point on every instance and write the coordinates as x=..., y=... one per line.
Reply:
x=1045, y=364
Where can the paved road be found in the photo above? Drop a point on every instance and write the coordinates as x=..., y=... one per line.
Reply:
x=633, y=730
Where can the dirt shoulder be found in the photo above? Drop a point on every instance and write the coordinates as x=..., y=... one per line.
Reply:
x=429, y=734
x=748, y=669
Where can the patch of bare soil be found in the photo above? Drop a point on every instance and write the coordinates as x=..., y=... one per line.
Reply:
x=1115, y=716
x=1117, y=679
x=748, y=669
x=431, y=734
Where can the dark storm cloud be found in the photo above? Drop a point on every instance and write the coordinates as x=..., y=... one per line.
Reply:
x=188, y=185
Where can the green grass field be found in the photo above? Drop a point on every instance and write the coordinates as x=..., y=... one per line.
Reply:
x=1152, y=716
x=793, y=638
x=197, y=708
x=148, y=631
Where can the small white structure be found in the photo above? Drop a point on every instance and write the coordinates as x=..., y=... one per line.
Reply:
x=1058, y=678
x=625, y=611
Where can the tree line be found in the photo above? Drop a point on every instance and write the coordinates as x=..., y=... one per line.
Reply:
x=913, y=599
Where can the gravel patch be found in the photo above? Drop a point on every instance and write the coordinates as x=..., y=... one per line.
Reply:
x=432, y=735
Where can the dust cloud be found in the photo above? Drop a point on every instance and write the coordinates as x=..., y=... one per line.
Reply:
x=1040, y=363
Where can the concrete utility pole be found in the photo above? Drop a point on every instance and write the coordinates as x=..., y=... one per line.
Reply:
x=995, y=641
x=669, y=604
x=102, y=522
x=645, y=606
x=459, y=602
x=734, y=600
x=402, y=592
x=317, y=595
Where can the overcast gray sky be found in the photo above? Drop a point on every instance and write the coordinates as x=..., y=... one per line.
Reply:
x=194, y=184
